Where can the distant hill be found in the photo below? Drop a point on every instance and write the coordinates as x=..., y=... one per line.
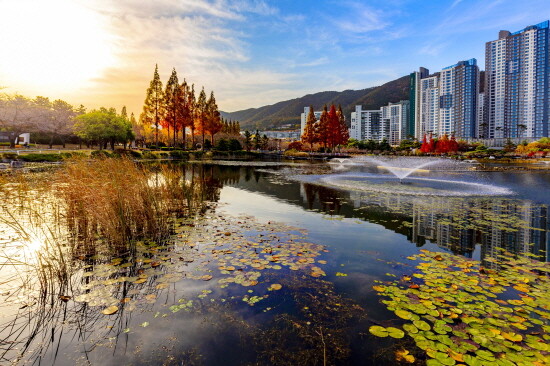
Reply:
x=288, y=112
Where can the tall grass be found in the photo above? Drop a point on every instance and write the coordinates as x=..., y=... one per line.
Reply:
x=119, y=201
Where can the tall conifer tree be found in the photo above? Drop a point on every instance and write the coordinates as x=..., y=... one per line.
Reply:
x=309, y=131
x=154, y=101
x=201, y=114
x=213, y=122
x=174, y=102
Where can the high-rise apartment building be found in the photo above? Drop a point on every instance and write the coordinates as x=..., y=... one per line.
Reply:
x=414, y=97
x=517, y=83
x=459, y=89
x=366, y=125
x=428, y=104
x=395, y=121
x=446, y=102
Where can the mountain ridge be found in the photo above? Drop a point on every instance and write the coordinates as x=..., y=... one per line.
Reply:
x=288, y=112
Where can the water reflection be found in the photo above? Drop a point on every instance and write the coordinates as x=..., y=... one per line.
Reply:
x=172, y=309
x=472, y=227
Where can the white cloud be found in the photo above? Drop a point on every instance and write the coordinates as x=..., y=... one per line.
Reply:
x=361, y=19
x=433, y=49
x=201, y=39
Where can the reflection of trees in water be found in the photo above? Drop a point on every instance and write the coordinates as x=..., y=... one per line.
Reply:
x=69, y=264
x=329, y=200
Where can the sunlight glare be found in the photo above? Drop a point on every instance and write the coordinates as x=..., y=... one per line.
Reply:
x=51, y=46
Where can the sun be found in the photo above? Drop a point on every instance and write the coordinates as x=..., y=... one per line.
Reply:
x=51, y=46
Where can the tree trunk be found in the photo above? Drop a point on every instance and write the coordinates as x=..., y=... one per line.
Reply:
x=192, y=138
x=183, y=139
x=175, y=135
x=51, y=141
x=212, y=138
x=112, y=144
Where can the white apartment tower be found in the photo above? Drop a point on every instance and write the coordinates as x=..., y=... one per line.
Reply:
x=395, y=121
x=517, y=83
x=366, y=124
x=428, y=104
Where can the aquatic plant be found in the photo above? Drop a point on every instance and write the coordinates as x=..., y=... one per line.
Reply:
x=460, y=312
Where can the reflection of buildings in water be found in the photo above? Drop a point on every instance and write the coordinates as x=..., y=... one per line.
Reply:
x=532, y=237
x=515, y=226
x=458, y=224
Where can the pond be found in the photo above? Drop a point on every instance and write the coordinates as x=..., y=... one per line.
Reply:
x=290, y=263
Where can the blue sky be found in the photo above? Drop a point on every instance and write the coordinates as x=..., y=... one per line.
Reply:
x=250, y=52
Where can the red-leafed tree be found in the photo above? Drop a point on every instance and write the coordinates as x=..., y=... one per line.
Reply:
x=343, y=132
x=322, y=127
x=453, y=145
x=213, y=123
x=428, y=145
x=442, y=146
x=333, y=127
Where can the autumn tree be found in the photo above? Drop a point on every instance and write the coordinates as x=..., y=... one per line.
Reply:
x=192, y=102
x=201, y=115
x=60, y=122
x=186, y=110
x=174, y=103
x=154, y=103
x=18, y=115
x=213, y=120
x=322, y=128
x=309, y=131
x=343, y=131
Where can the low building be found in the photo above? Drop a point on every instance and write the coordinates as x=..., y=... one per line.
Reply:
x=284, y=135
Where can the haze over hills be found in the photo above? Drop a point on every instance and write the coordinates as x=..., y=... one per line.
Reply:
x=288, y=112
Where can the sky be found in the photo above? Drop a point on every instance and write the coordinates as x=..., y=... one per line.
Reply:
x=249, y=52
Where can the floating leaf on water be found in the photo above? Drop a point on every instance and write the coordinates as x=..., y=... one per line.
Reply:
x=404, y=355
x=206, y=277
x=378, y=331
x=275, y=287
x=403, y=314
x=144, y=324
x=514, y=337
x=110, y=310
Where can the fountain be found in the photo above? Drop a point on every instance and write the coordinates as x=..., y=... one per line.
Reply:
x=403, y=177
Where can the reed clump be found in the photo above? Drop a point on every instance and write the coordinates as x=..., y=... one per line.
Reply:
x=118, y=201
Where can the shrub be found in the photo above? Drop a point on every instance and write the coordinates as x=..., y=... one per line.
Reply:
x=149, y=155
x=74, y=154
x=179, y=154
x=234, y=145
x=295, y=153
x=100, y=154
x=223, y=145
x=41, y=157
x=10, y=156
x=295, y=145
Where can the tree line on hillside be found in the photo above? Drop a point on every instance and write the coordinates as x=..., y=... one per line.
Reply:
x=329, y=131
